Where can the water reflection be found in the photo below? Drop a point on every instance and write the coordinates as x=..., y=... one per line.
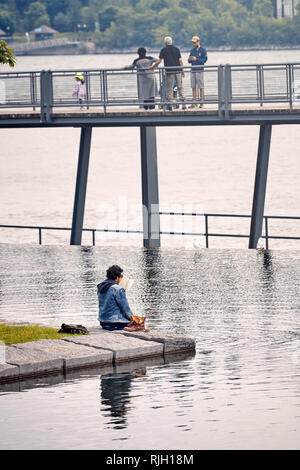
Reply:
x=151, y=283
x=268, y=270
x=115, y=396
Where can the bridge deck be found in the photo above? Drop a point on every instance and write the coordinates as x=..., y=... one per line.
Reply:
x=279, y=113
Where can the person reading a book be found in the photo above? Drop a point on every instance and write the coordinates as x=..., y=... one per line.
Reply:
x=114, y=310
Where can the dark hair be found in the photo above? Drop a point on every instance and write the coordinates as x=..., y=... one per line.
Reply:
x=141, y=52
x=113, y=272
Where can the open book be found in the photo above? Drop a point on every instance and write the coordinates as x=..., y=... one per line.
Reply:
x=126, y=283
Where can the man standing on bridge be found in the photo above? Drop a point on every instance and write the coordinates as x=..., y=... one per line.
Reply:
x=172, y=58
x=198, y=57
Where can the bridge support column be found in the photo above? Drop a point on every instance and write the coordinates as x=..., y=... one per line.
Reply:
x=260, y=184
x=150, y=199
x=81, y=184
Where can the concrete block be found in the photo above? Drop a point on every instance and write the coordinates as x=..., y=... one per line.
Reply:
x=124, y=348
x=73, y=355
x=171, y=343
x=8, y=371
x=31, y=362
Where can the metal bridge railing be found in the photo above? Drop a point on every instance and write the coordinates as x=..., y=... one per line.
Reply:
x=266, y=236
x=225, y=86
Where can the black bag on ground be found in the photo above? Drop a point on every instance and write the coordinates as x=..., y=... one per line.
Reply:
x=73, y=329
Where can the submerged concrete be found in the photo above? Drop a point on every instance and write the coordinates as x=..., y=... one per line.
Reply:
x=100, y=348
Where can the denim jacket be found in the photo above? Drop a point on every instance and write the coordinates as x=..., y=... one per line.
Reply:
x=113, y=304
x=201, y=58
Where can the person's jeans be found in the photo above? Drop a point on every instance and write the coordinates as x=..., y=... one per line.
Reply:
x=113, y=326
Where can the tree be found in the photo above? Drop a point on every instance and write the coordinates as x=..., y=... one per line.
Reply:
x=36, y=15
x=263, y=8
x=7, y=22
x=61, y=22
x=106, y=17
x=54, y=7
x=23, y=5
x=297, y=16
x=158, y=5
x=174, y=18
x=247, y=3
x=190, y=5
x=88, y=18
x=159, y=33
x=73, y=15
x=223, y=27
x=6, y=54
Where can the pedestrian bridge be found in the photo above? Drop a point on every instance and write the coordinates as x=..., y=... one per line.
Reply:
x=234, y=94
x=246, y=94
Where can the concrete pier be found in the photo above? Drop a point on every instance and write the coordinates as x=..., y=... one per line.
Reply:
x=98, y=349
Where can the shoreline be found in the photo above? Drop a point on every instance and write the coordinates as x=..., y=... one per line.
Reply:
x=98, y=349
x=211, y=49
x=89, y=48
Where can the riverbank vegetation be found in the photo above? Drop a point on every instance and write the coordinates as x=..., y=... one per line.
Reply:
x=6, y=54
x=119, y=24
x=13, y=334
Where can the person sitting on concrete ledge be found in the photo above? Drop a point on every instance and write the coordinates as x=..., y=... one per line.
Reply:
x=114, y=310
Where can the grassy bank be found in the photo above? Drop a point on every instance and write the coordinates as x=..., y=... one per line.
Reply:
x=23, y=334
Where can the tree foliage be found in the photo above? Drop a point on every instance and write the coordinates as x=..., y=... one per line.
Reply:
x=6, y=54
x=128, y=23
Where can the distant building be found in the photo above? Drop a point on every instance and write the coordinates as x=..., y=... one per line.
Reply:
x=286, y=8
x=43, y=32
x=2, y=33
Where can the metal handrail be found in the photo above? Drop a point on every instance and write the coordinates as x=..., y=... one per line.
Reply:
x=225, y=86
x=206, y=233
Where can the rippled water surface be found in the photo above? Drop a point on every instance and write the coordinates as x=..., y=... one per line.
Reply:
x=240, y=390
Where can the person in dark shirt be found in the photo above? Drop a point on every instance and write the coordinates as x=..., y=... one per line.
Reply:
x=172, y=58
x=146, y=81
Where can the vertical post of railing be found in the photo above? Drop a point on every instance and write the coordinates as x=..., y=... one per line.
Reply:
x=221, y=92
x=32, y=89
x=81, y=184
x=163, y=87
x=260, y=184
x=87, y=87
x=35, y=80
x=43, y=101
x=206, y=230
x=40, y=235
x=46, y=91
x=267, y=232
x=105, y=95
x=160, y=87
x=94, y=237
x=290, y=84
x=262, y=83
x=150, y=199
x=259, y=78
x=228, y=90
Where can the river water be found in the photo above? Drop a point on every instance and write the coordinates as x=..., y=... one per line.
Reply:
x=207, y=169
x=241, y=389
